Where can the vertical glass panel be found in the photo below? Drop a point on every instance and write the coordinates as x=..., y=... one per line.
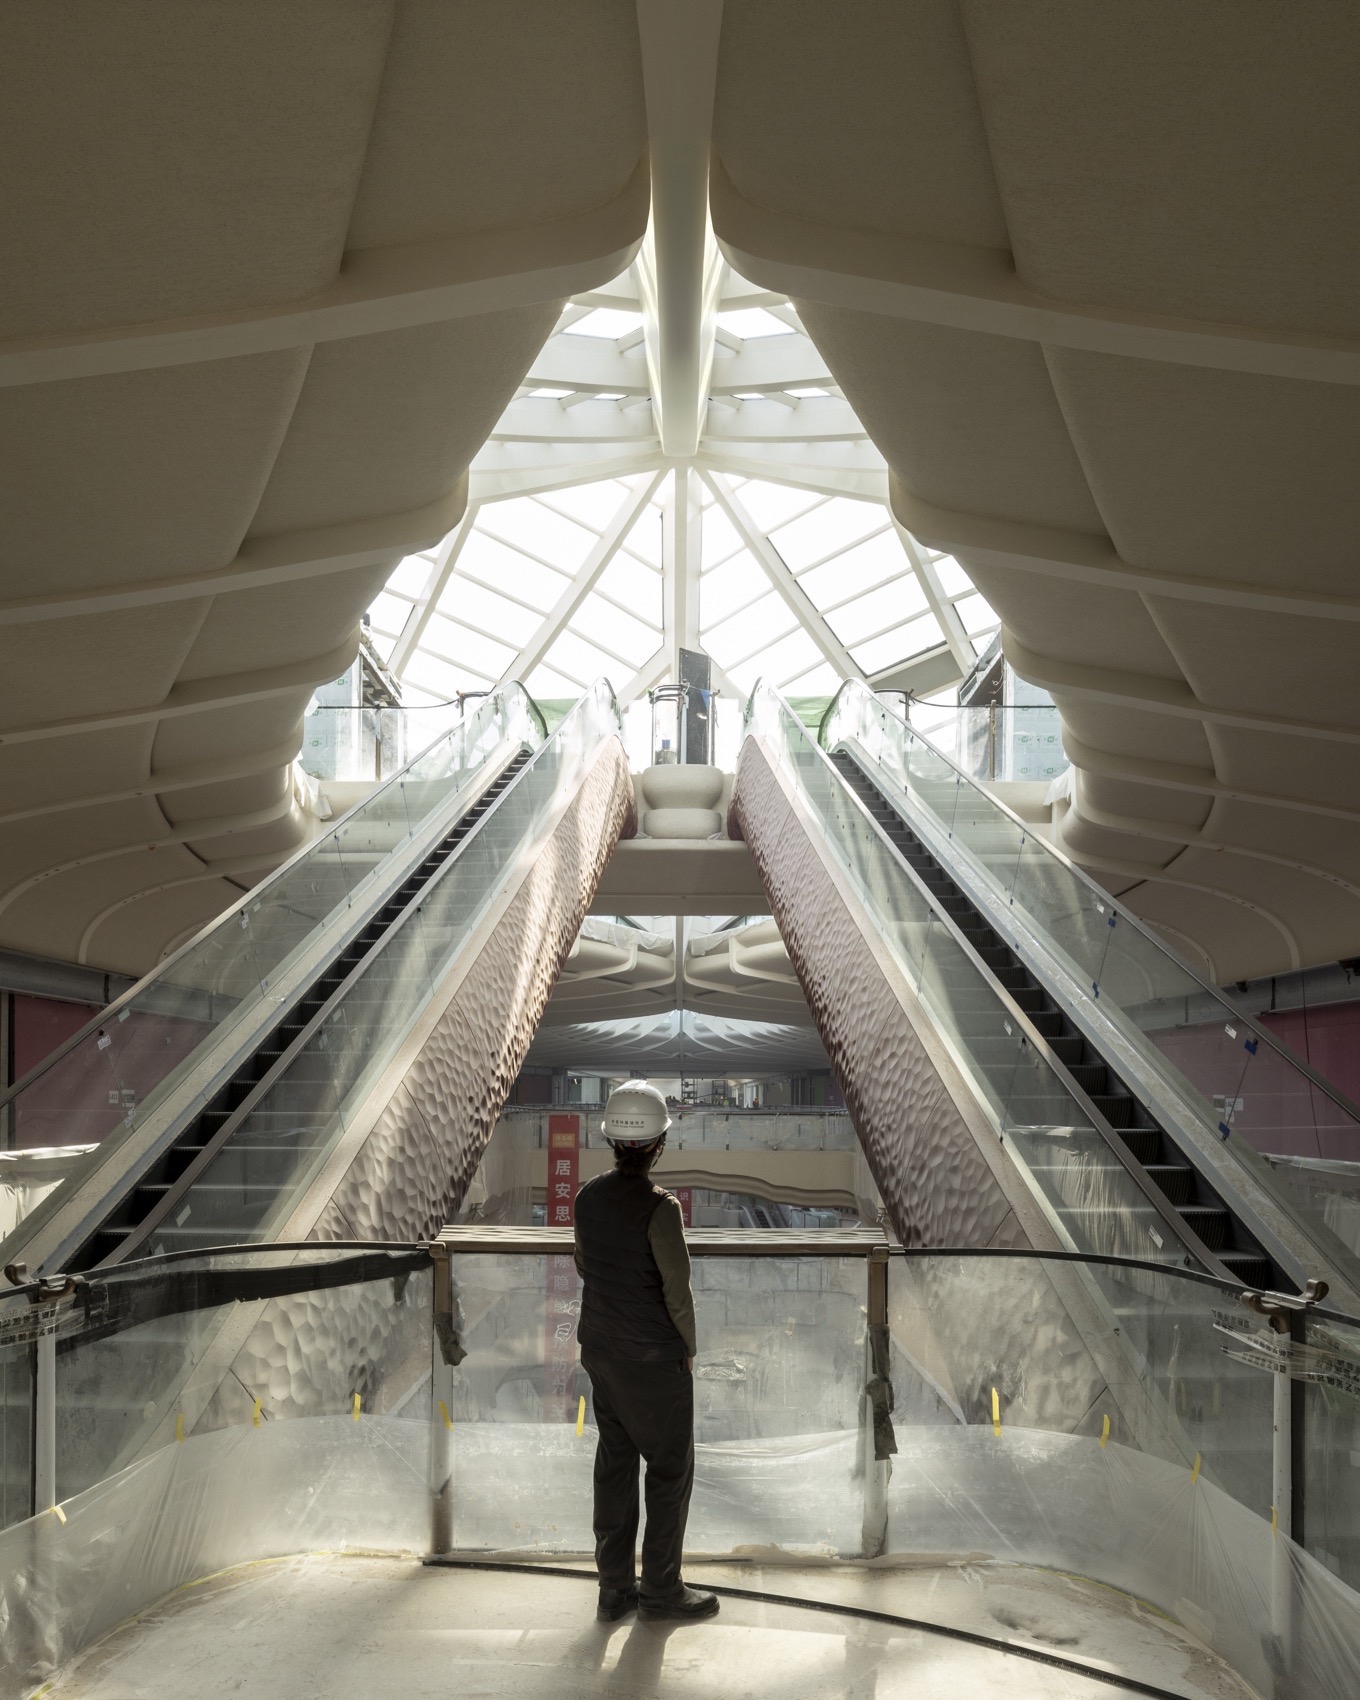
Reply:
x=16, y=1415
x=1229, y=1080
x=131, y=1063
x=1330, y=1409
x=777, y=1388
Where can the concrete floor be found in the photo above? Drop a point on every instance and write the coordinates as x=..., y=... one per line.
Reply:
x=318, y=1627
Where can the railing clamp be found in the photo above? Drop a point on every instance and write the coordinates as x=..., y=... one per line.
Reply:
x=1276, y=1307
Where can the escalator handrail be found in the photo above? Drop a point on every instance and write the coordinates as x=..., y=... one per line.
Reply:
x=1179, y=1227
x=110, y=1011
x=141, y=1231
x=1098, y=892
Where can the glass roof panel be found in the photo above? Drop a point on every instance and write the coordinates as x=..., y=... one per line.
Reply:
x=537, y=530
x=789, y=657
x=580, y=659
x=635, y=586
x=749, y=322
x=464, y=647
x=606, y=321
x=720, y=537
x=823, y=680
x=914, y=638
x=614, y=630
x=826, y=530
x=486, y=611
x=852, y=573
x=770, y=505
x=546, y=496
x=546, y=681
x=409, y=576
x=496, y=563
x=742, y=634
x=976, y=614
x=590, y=504
x=866, y=616
x=731, y=586
x=953, y=580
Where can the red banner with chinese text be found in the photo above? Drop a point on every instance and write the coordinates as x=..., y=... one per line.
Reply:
x=562, y=1307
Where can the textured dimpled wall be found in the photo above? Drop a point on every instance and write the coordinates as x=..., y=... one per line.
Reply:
x=310, y=1352
x=409, y=1176
x=938, y=1187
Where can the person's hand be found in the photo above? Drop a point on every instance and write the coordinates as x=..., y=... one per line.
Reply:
x=689, y=1365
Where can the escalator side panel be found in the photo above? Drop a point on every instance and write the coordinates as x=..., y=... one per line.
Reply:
x=941, y=1183
x=417, y=1141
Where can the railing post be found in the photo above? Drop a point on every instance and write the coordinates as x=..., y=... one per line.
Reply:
x=1282, y=1521
x=45, y=1423
x=441, y=1396
x=876, y=1404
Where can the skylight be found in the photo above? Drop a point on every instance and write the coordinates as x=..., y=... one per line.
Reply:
x=797, y=572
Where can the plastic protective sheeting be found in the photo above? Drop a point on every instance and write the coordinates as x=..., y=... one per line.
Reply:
x=188, y=1510
x=1139, y=1524
x=525, y=1489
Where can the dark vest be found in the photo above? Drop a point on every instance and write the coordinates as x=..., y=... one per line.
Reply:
x=623, y=1311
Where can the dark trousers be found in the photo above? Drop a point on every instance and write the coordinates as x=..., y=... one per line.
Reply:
x=642, y=1410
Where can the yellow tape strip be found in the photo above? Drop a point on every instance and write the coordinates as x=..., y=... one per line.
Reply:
x=1194, y=1474
x=1104, y=1433
x=996, y=1412
x=1274, y=1521
x=444, y=1413
x=59, y=1514
x=255, y=1414
x=581, y=1416
x=179, y=1426
x=357, y=1408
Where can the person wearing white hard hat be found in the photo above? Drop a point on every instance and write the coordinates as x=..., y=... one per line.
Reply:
x=638, y=1345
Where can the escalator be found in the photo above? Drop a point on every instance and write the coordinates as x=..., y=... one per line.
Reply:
x=235, y=1093
x=1203, y=1212
x=997, y=1019
x=235, y=1189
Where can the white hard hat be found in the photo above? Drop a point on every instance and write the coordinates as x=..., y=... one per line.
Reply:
x=636, y=1115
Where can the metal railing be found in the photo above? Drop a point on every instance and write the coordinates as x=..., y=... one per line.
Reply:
x=852, y=1398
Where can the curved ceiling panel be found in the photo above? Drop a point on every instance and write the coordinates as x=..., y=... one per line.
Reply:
x=1112, y=357
x=268, y=277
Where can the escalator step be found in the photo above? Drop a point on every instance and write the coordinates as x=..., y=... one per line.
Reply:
x=1068, y=1049
x=1250, y=1268
x=1144, y=1142
x=1048, y=1023
x=1093, y=1078
x=1211, y=1223
x=1175, y=1179
x=1118, y=1109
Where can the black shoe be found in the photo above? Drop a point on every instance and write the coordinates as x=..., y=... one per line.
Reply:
x=616, y=1603
x=688, y=1603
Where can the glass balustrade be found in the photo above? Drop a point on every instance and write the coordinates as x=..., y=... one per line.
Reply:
x=1230, y=1080
x=116, y=1074
x=264, y=1166
x=1102, y=1418
x=1095, y=1197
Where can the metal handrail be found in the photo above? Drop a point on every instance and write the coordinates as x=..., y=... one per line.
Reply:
x=1102, y=896
x=1163, y=1207
x=138, y=1234
x=110, y=1011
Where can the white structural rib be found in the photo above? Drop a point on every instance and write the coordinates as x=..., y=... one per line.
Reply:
x=681, y=269
x=940, y=605
x=560, y=616
x=775, y=569
x=445, y=560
